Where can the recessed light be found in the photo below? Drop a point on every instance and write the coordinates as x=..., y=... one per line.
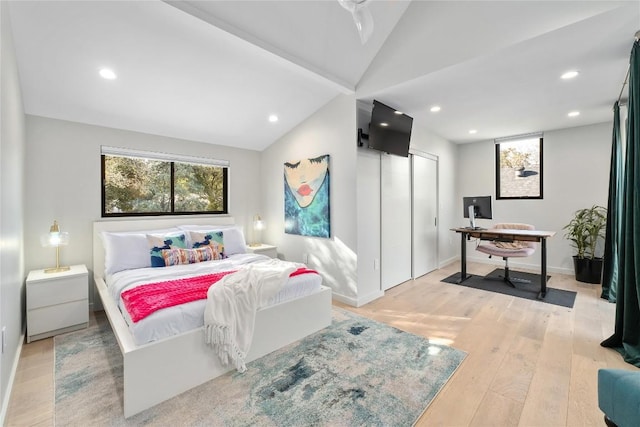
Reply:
x=569, y=75
x=435, y=109
x=574, y=114
x=384, y=124
x=273, y=118
x=398, y=112
x=472, y=131
x=108, y=74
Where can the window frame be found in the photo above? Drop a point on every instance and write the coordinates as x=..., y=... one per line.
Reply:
x=117, y=152
x=497, y=143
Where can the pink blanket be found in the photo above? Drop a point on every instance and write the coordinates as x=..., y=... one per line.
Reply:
x=144, y=300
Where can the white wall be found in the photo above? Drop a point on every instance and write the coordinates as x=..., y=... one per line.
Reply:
x=12, y=147
x=63, y=182
x=576, y=175
x=331, y=130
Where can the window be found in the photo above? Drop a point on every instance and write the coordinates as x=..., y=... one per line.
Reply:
x=145, y=183
x=519, y=167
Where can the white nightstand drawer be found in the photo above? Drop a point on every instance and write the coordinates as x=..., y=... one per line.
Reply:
x=57, y=317
x=56, y=291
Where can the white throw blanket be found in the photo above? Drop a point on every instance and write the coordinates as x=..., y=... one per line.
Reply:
x=230, y=312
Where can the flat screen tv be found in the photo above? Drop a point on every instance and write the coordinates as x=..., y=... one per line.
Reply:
x=389, y=130
x=476, y=207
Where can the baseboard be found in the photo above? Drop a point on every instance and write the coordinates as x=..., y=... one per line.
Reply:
x=14, y=369
x=358, y=302
x=344, y=299
x=371, y=297
x=446, y=262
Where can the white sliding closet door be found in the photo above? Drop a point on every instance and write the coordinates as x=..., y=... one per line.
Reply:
x=395, y=235
x=425, y=227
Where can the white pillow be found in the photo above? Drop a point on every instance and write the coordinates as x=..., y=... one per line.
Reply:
x=128, y=250
x=205, y=228
x=232, y=236
x=234, y=241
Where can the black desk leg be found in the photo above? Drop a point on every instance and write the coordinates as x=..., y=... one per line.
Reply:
x=463, y=257
x=543, y=267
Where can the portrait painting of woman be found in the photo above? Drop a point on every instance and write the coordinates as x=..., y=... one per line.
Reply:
x=306, y=197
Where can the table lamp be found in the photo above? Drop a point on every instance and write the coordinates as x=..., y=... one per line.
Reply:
x=55, y=238
x=258, y=226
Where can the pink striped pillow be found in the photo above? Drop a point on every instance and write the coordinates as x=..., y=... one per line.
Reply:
x=179, y=256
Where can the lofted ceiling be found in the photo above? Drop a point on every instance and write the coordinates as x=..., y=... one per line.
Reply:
x=213, y=71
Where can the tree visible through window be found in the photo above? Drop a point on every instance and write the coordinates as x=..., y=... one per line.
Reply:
x=141, y=186
x=199, y=188
x=519, y=168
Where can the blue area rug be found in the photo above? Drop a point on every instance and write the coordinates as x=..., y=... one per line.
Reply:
x=356, y=372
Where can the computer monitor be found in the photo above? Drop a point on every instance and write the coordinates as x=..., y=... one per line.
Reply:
x=476, y=207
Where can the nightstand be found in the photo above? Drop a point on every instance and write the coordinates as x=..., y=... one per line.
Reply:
x=57, y=302
x=263, y=249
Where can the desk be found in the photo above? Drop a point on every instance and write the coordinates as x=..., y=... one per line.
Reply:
x=507, y=235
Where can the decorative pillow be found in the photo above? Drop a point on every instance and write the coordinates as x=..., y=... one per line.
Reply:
x=213, y=239
x=233, y=238
x=127, y=250
x=157, y=243
x=188, y=256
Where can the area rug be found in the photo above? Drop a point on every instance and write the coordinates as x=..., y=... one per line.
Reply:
x=355, y=372
x=522, y=290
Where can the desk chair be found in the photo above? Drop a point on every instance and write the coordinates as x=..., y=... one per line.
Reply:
x=514, y=249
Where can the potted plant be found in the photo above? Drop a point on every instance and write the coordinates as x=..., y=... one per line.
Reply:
x=585, y=231
x=515, y=159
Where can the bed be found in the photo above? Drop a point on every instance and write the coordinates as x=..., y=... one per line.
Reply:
x=165, y=367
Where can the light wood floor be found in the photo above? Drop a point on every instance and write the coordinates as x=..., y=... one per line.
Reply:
x=529, y=363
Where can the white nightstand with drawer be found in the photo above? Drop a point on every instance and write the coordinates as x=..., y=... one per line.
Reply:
x=57, y=302
x=264, y=249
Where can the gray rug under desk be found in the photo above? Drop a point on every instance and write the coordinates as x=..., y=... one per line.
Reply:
x=522, y=290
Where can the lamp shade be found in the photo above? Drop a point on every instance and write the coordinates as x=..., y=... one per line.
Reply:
x=258, y=226
x=54, y=239
x=258, y=223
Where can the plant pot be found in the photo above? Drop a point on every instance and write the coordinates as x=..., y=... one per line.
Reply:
x=588, y=270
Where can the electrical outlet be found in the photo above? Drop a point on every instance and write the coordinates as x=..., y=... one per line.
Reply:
x=376, y=264
x=4, y=338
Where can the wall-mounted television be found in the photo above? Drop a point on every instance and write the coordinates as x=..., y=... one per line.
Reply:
x=389, y=130
x=477, y=207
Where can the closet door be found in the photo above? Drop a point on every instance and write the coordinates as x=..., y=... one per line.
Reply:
x=425, y=206
x=395, y=235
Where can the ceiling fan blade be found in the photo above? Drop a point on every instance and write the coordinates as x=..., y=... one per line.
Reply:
x=361, y=16
x=350, y=5
x=364, y=23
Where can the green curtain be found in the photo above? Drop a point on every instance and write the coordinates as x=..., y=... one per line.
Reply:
x=614, y=210
x=626, y=336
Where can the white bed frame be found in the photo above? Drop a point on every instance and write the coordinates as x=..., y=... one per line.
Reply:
x=163, y=369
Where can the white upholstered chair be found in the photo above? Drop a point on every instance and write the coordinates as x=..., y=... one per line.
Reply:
x=511, y=249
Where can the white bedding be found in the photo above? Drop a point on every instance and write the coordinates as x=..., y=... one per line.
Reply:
x=174, y=320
